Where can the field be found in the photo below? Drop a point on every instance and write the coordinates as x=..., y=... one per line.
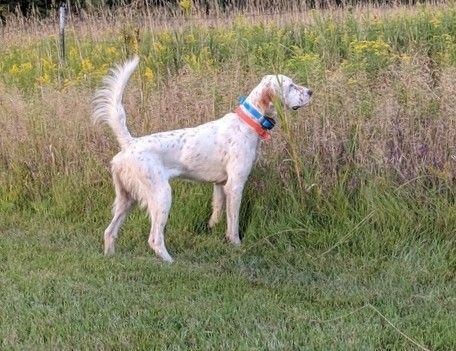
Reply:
x=348, y=220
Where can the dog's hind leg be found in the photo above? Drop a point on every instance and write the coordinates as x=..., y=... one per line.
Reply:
x=218, y=203
x=122, y=204
x=158, y=205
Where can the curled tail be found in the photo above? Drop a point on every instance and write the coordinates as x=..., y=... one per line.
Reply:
x=107, y=103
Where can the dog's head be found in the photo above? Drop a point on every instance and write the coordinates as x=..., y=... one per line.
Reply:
x=292, y=95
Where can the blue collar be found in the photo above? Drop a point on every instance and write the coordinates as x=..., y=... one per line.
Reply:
x=266, y=122
x=250, y=109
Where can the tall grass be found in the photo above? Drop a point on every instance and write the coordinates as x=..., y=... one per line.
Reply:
x=383, y=109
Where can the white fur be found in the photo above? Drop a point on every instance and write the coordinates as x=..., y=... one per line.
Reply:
x=221, y=152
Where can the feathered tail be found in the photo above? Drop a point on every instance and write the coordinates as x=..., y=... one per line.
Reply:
x=107, y=103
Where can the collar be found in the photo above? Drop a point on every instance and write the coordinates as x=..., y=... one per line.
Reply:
x=251, y=109
x=253, y=123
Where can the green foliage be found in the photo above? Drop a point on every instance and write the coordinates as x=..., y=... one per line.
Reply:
x=369, y=56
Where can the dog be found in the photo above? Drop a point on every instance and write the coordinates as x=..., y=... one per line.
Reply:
x=221, y=152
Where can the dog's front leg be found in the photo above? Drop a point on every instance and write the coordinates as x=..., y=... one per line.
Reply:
x=218, y=203
x=233, y=190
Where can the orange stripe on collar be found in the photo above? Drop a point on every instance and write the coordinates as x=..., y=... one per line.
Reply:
x=263, y=133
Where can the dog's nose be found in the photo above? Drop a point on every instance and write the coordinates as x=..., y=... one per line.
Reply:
x=310, y=92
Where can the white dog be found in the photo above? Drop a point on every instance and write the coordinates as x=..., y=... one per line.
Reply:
x=221, y=152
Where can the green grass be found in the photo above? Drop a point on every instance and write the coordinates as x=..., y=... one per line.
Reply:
x=348, y=220
x=308, y=278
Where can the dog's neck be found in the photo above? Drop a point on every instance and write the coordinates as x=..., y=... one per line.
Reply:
x=261, y=98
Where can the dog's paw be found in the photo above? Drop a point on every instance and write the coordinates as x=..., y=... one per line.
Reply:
x=211, y=224
x=109, y=246
x=233, y=241
x=167, y=258
x=161, y=252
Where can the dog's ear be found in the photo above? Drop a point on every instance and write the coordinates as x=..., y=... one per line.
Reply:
x=266, y=98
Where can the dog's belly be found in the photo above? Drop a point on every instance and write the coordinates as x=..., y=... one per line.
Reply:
x=211, y=177
x=204, y=170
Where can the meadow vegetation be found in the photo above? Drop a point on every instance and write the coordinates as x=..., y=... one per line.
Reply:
x=349, y=217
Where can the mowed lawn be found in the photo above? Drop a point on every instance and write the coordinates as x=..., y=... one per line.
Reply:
x=341, y=285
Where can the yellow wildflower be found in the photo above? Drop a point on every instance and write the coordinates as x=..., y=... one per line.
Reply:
x=44, y=79
x=405, y=58
x=86, y=65
x=185, y=5
x=378, y=47
x=165, y=37
x=190, y=38
x=14, y=70
x=352, y=81
x=74, y=52
x=309, y=58
x=48, y=65
x=26, y=67
x=111, y=51
x=149, y=74
x=158, y=47
x=435, y=21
